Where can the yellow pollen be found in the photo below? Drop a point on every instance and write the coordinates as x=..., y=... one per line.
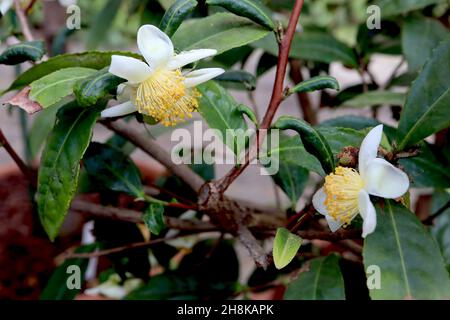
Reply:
x=341, y=189
x=164, y=97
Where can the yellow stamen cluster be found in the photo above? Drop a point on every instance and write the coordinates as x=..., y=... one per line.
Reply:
x=341, y=189
x=164, y=97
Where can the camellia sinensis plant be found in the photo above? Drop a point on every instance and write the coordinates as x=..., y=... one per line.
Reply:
x=361, y=199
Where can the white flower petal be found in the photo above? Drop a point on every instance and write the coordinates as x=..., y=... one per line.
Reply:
x=382, y=179
x=119, y=110
x=199, y=76
x=67, y=3
x=318, y=201
x=155, y=46
x=367, y=212
x=5, y=5
x=129, y=68
x=369, y=148
x=333, y=224
x=187, y=57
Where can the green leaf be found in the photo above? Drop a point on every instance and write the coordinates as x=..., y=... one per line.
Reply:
x=57, y=288
x=292, y=179
x=390, y=8
x=236, y=79
x=218, y=32
x=175, y=15
x=220, y=111
x=426, y=170
x=315, y=83
x=41, y=127
x=285, y=247
x=52, y=88
x=112, y=169
x=313, y=140
x=153, y=218
x=426, y=108
x=409, y=260
x=420, y=36
x=93, y=60
x=322, y=281
x=254, y=10
x=96, y=86
x=22, y=52
x=60, y=164
x=242, y=108
x=101, y=23
x=376, y=98
x=312, y=46
x=352, y=122
x=339, y=138
x=441, y=227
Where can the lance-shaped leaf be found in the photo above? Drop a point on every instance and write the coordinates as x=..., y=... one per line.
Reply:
x=390, y=8
x=96, y=86
x=420, y=36
x=242, y=108
x=254, y=10
x=60, y=164
x=237, y=79
x=93, y=60
x=52, y=88
x=376, y=98
x=322, y=280
x=426, y=108
x=175, y=15
x=314, y=84
x=57, y=288
x=22, y=52
x=112, y=169
x=153, y=218
x=285, y=247
x=312, y=139
x=218, y=31
x=220, y=111
x=409, y=261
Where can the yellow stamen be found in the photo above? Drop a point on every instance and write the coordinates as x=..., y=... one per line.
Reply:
x=341, y=189
x=164, y=97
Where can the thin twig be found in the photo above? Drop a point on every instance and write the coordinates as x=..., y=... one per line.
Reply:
x=27, y=172
x=23, y=21
x=309, y=115
x=30, y=6
x=275, y=101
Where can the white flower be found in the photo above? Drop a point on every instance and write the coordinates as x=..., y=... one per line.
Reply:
x=158, y=88
x=5, y=5
x=112, y=288
x=346, y=192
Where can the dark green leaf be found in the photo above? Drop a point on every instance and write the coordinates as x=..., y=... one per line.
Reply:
x=352, y=122
x=292, y=179
x=265, y=63
x=217, y=32
x=254, y=10
x=339, y=138
x=426, y=108
x=153, y=218
x=219, y=109
x=390, y=8
x=22, y=52
x=420, y=36
x=102, y=22
x=411, y=266
x=322, y=281
x=441, y=227
x=60, y=164
x=285, y=247
x=376, y=98
x=312, y=46
x=175, y=15
x=313, y=140
x=238, y=79
x=95, y=87
x=94, y=60
x=315, y=83
x=110, y=168
x=242, y=108
x=53, y=87
x=57, y=288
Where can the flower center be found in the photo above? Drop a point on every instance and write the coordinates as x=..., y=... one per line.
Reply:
x=164, y=97
x=342, y=189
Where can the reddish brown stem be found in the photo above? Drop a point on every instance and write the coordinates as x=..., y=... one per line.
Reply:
x=275, y=101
